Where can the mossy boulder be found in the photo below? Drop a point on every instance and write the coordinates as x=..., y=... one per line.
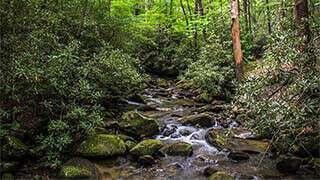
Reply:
x=78, y=168
x=178, y=149
x=147, y=147
x=130, y=144
x=13, y=148
x=221, y=175
x=201, y=120
x=217, y=138
x=101, y=146
x=138, y=125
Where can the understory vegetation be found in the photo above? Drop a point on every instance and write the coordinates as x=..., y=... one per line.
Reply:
x=66, y=66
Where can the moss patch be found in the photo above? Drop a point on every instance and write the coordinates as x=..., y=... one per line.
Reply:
x=138, y=125
x=102, y=145
x=146, y=147
x=178, y=149
x=75, y=172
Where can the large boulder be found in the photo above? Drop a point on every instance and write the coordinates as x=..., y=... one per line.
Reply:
x=178, y=149
x=221, y=175
x=146, y=147
x=101, y=146
x=201, y=120
x=138, y=125
x=219, y=139
x=78, y=168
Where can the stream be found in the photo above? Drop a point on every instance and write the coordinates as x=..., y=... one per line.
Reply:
x=168, y=107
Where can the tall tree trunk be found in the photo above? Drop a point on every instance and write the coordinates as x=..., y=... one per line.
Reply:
x=201, y=10
x=195, y=36
x=245, y=14
x=185, y=15
x=268, y=17
x=249, y=17
x=235, y=30
x=301, y=20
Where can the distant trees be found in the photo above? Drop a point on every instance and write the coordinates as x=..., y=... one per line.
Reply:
x=235, y=31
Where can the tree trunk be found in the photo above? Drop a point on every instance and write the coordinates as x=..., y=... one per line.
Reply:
x=195, y=36
x=201, y=10
x=235, y=30
x=268, y=17
x=185, y=15
x=301, y=20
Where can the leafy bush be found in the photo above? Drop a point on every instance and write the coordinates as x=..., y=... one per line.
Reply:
x=211, y=76
x=56, y=92
x=282, y=97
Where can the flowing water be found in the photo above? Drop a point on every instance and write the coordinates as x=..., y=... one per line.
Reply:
x=169, y=107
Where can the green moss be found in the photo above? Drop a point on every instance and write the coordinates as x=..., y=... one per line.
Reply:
x=130, y=144
x=220, y=175
x=138, y=125
x=146, y=147
x=75, y=172
x=7, y=176
x=102, y=145
x=178, y=149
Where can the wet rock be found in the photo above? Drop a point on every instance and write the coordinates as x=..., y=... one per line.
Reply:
x=288, y=165
x=9, y=166
x=178, y=149
x=184, y=102
x=146, y=160
x=7, y=176
x=208, y=171
x=102, y=145
x=185, y=132
x=174, y=136
x=238, y=156
x=138, y=98
x=246, y=177
x=217, y=138
x=13, y=149
x=138, y=125
x=146, y=147
x=147, y=108
x=221, y=175
x=201, y=120
x=196, y=136
x=77, y=168
x=210, y=108
x=130, y=144
x=169, y=130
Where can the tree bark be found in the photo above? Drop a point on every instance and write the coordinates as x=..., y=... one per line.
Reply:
x=268, y=17
x=301, y=20
x=185, y=15
x=201, y=10
x=235, y=31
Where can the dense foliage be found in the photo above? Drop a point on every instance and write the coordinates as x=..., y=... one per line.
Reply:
x=65, y=64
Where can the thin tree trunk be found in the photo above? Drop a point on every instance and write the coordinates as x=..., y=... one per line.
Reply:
x=195, y=37
x=201, y=10
x=235, y=30
x=245, y=14
x=185, y=15
x=269, y=17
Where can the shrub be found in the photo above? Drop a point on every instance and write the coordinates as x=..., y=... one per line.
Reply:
x=282, y=96
x=53, y=91
x=211, y=76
